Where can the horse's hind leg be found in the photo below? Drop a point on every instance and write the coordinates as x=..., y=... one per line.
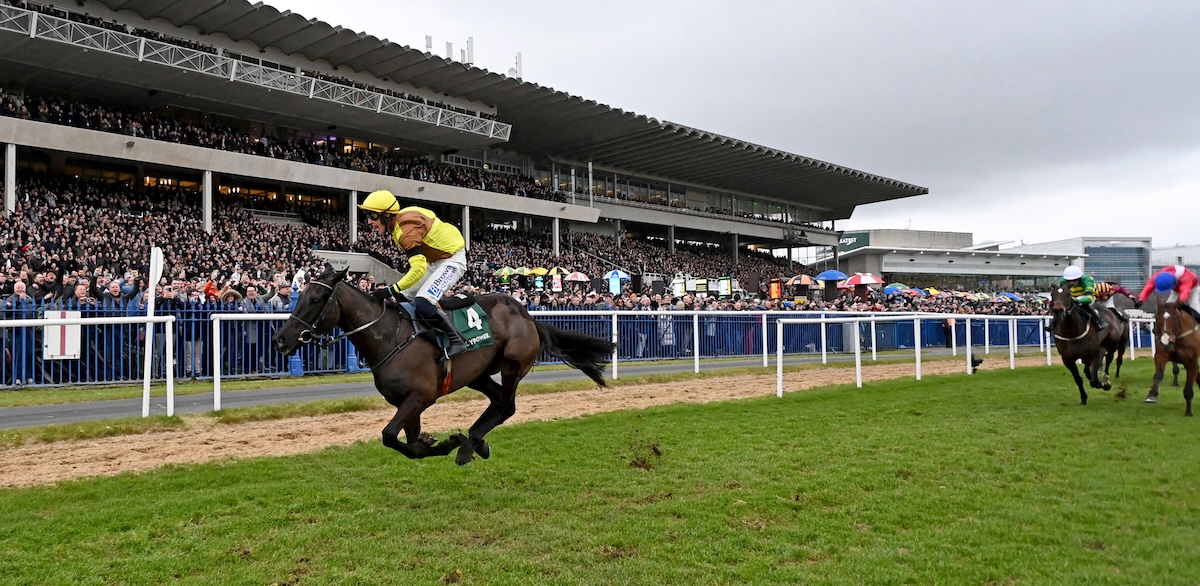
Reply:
x=501, y=406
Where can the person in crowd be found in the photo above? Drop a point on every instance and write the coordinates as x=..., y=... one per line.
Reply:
x=1083, y=290
x=1178, y=284
x=436, y=258
x=22, y=341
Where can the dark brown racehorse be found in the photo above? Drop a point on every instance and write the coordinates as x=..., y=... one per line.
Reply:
x=1176, y=339
x=1077, y=339
x=406, y=365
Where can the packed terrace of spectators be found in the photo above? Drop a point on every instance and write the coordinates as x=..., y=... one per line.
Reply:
x=204, y=131
x=71, y=230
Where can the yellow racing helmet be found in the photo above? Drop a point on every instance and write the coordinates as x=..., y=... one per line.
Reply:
x=381, y=201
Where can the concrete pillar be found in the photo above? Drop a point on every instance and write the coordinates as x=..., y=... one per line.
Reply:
x=10, y=179
x=735, y=250
x=207, y=182
x=671, y=239
x=617, y=232
x=352, y=216
x=555, y=238
x=466, y=222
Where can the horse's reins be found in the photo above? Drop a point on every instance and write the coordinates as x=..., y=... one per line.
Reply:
x=1087, y=326
x=325, y=340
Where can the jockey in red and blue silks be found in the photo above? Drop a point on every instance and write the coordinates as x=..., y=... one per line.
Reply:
x=1178, y=283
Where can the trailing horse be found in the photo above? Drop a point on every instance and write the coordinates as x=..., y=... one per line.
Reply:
x=407, y=364
x=1175, y=340
x=1077, y=339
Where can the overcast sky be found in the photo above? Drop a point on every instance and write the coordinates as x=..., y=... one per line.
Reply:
x=1027, y=120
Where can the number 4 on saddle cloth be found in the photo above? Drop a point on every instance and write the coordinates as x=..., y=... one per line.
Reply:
x=470, y=319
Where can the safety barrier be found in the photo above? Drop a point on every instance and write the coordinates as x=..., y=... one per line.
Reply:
x=218, y=341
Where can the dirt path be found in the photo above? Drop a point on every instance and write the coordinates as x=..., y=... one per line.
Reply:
x=206, y=440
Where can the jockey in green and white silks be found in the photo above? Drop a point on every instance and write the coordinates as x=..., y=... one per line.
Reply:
x=1083, y=290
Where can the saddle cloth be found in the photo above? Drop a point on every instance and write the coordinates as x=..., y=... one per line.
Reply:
x=471, y=320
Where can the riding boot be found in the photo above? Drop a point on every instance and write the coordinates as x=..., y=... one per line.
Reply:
x=441, y=321
x=1100, y=323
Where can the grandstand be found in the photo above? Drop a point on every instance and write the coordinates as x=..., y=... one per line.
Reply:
x=229, y=99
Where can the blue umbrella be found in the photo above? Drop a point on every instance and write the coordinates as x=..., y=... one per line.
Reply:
x=831, y=275
x=893, y=290
x=616, y=273
x=1012, y=296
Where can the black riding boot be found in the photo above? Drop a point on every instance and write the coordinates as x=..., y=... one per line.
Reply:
x=1100, y=323
x=441, y=321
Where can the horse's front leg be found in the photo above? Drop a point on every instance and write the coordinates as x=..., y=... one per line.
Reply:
x=1175, y=373
x=1192, y=370
x=1160, y=368
x=408, y=418
x=1071, y=366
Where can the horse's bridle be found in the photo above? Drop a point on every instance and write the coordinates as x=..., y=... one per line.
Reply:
x=1195, y=327
x=310, y=334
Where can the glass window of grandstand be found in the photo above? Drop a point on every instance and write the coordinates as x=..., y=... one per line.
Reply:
x=678, y=196
x=1125, y=265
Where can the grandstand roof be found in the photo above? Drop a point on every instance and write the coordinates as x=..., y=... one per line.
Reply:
x=546, y=121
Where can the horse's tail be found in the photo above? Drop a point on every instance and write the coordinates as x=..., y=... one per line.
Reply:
x=587, y=353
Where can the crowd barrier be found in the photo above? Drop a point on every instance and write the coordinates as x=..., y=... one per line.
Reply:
x=223, y=341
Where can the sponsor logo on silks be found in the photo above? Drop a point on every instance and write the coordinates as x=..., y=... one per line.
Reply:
x=479, y=338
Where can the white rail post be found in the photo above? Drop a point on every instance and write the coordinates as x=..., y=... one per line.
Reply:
x=1046, y=335
x=1012, y=343
x=779, y=359
x=216, y=350
x=696, y=342
x=987, y=336
x=616, y=347
x=766, y=353
x=967, y=349
x=857, y=354
x=824, y=359
x=169, y=359
x=917, y=344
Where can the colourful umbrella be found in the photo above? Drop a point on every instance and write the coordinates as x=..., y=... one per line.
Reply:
x=538, y=271
x=899, y=285
x=618, y=273
x=522, y=271
x=505, y=272
x=800, y=280
x=830, y=275
x=863, y=279
x=577, y=277
x=892, y=290
x=559, y=271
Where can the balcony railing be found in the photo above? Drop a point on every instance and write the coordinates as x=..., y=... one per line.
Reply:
x=42, y=26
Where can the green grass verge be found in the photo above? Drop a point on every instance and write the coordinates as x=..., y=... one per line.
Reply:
x=998, y=478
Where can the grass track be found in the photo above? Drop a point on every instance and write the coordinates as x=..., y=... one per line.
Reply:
x=997, y=478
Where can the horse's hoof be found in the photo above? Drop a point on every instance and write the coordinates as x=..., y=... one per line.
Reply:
x=464, y=456
x=426, y=439
x=482, y=449
x=1106, y=386
x=1151, y=400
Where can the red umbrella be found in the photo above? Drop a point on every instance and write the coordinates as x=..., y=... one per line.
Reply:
x=863, y=279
